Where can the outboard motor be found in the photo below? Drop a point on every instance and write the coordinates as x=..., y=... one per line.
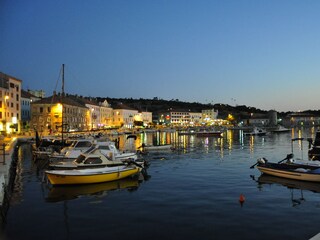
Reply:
x=262, y=160
x=290, y=158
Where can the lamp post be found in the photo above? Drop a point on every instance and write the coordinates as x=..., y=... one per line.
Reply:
x=6, y=98
x=92, y=109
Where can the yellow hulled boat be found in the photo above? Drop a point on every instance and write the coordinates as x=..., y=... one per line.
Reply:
x=87, y=176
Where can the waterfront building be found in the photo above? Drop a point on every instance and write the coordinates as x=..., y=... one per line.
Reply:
x=208, y=115
x=26, y=99
x=37, y=93
x=123, y=116
x=302, y=119
x=106, y=114
x=93, y=113
x=256, y=119
x=10, y=96
x=179, y=118
x=146, y=118
x=273, y=116
x=57, y=113
x=195, y=118
x=143, y=119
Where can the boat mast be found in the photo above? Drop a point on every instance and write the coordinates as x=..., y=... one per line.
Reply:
x=62, y=95
x=62, y=79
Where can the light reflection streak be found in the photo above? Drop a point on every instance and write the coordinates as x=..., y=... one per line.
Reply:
x=251, y=144
x=230, y=139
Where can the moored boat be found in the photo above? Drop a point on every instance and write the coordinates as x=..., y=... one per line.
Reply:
x=280, y=129
x=73, y=151
x=91, y=175
x=256, y=132
x=95, y=158
x=148, y=148
x=108, y=148
x=289, y=169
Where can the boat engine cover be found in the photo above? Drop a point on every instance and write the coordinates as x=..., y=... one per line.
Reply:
x=262, y=160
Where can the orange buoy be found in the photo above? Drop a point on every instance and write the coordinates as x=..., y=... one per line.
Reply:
x=242, y=199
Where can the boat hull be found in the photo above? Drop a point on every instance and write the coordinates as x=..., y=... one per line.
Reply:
x=61, y=177
x=157, y=148
x=302, y=176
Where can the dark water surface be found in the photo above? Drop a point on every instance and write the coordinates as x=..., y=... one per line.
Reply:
x=192, y=193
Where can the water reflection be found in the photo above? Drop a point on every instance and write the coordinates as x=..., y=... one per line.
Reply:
x=186, y=185
x=62, y=193
x=292, y=185
x=185, y=143
x=289, y=183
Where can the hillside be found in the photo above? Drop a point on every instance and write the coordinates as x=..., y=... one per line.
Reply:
x=156, y=105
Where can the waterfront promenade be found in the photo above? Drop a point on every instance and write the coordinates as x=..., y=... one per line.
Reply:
x=9, y=144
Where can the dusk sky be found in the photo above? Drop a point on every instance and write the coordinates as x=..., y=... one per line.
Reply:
x=259, y=53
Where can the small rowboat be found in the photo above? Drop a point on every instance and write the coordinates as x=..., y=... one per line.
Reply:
x=91, y=175
x=290, y=170
x=154, y=148
x=256, y=132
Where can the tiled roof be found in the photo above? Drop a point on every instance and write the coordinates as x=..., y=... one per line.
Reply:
x=123, y=106
x=59, y=99
x=26, y=94
x=83, y=100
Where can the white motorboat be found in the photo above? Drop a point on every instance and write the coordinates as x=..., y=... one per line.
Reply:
x=95, y=158
x=109, y=149
x=256, y=131
x=280, y=129
x=154, y=148
x=72, y=152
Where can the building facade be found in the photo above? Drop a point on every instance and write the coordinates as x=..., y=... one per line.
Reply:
x=58, y=113
x=106, y=114
x=37, y=93
x=26, y=100
x=123, y=116
x=10, y=97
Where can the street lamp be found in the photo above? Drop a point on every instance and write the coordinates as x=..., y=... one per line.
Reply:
x=92, y=109
x=6, y=98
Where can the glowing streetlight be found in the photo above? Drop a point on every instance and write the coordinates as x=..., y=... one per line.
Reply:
x=6, y=98
x=92, y=109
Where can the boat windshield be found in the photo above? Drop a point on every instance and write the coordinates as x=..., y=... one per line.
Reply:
x=93, y=160
x=104, y=147
x=83, y=144
x=90, y=149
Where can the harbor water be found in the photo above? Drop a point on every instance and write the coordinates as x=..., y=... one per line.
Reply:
x=204, y=189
